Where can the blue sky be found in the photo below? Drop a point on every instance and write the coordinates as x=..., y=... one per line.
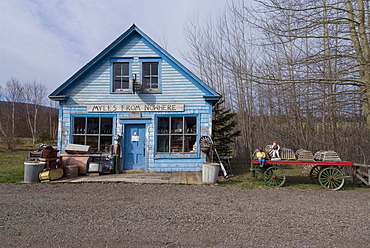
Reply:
x=49, y=40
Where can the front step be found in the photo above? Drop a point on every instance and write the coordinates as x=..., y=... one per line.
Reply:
x=132, y=171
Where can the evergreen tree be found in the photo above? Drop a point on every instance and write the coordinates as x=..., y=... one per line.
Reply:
x=223, y=129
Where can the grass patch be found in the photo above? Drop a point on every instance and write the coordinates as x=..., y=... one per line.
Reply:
x=12, y=165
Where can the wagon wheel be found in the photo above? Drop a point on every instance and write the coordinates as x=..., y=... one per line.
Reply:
x=274, y=177
x=205, y=141
x=314, y=173
x=258, y=173
x=331, y=178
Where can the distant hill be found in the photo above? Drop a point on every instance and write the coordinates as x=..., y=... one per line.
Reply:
x=47, y=119
x=6, y=107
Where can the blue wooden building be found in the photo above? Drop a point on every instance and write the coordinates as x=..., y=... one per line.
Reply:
x=136, y=90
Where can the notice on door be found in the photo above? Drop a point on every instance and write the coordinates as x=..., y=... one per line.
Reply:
x=135, y=138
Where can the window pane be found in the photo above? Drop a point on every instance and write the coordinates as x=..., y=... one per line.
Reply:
x=162, y=143
x=176, y=143
x=190, y=143
x=163, y=125
x=146, y=69
x=121, y=83
x=177, y=125
x=190, y=123
x=79, y=140
x=116, y=69
x=93, y=142
x=154, y=83
x=105, y=143
x=106, y=126
x=146, y=83
x=79, y=125
x=117, y=84
x=125, y=68
x=154, y=69
x=93, y=125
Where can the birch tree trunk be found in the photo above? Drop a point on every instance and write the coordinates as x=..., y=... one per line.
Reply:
x=34, y=94
x=359, y=26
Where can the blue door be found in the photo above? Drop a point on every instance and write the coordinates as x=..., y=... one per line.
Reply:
x=134, y=147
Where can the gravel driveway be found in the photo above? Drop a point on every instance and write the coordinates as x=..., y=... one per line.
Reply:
x=155, y=215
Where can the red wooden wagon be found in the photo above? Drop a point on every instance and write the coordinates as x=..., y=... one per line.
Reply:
x=327, y=173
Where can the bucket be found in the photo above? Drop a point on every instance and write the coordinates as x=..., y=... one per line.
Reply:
x=71, y=171
x=32, y=171
x=210, y=172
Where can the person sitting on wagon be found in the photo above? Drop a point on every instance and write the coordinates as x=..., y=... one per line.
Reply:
x=261, y=156
x=275, y=150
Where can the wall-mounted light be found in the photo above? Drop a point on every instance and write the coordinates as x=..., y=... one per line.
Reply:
x=136, y=85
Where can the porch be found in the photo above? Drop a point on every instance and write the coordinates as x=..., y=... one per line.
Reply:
x=138, y=177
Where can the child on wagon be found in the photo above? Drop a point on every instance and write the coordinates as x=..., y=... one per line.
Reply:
x=261, y=156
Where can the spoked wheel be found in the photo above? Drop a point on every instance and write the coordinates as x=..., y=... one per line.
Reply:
x=331, y=178
x=314, y=173
x=258, y=173
x=274, y=177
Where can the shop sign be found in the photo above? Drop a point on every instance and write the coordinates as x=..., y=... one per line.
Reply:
x=135, y=107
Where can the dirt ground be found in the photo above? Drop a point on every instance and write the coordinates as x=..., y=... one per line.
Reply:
x=168, y=215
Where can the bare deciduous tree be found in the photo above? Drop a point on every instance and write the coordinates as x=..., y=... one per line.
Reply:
x=292, y=70
x=359, y=28
x=34, y=95
x=13, y=95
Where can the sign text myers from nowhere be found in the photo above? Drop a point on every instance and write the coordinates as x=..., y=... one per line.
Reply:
x=135, y=107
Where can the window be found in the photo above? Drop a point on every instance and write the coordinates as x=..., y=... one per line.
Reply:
x=121, y=76
x=150, y=76
x=93, y=131
x=176, y=134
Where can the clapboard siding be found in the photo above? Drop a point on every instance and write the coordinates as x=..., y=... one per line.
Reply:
x=97, y=85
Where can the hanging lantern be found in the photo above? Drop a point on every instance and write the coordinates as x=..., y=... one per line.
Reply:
x=136, y=85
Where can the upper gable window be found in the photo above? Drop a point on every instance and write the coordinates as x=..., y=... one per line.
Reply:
x=150, y=76
x=121, y=76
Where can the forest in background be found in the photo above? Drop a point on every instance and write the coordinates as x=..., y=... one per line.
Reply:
x=293, y=71
x=26, y=113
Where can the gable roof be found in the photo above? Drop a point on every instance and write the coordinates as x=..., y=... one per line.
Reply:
x=61, y=93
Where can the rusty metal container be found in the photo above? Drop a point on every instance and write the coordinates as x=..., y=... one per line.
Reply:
x=81, y=162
